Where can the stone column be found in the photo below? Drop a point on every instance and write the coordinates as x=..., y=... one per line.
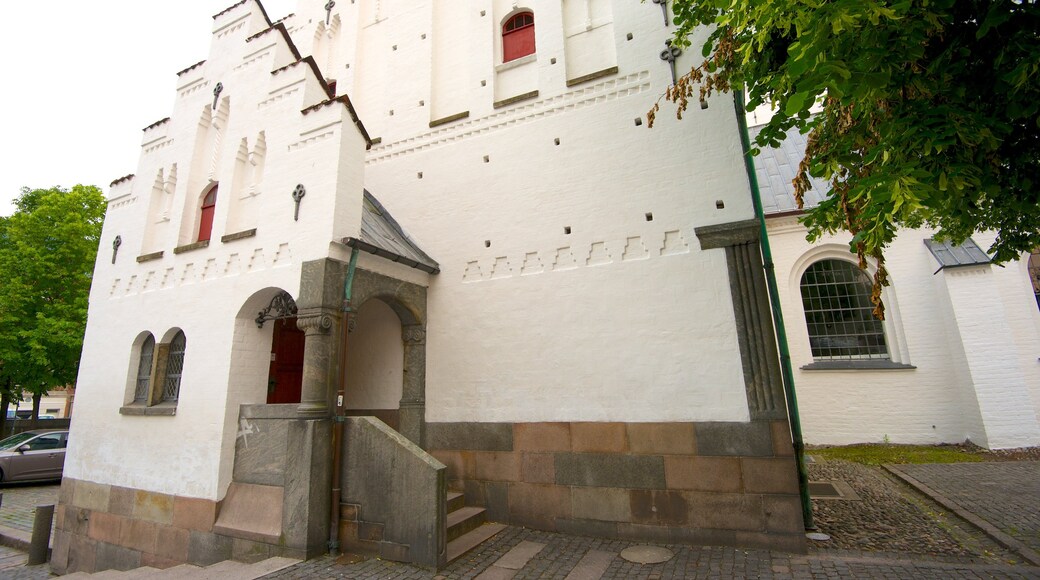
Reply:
x=755, y=334
x=413, y=401
x=317, y=324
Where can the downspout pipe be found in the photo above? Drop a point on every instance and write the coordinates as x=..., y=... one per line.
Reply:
x=340, y=409
x=778, y=315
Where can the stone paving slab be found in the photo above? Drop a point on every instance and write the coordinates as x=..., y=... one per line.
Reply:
x=563, y=554
x=1005, y=495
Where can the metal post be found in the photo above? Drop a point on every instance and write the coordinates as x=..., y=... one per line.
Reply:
x=39, y=546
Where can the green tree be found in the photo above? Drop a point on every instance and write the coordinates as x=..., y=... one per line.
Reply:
x=47, y=252
x=929, y=109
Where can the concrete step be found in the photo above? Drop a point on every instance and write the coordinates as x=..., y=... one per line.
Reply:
x=465, y=520
x=471, y=539
x=456, y=501
x=142, y=572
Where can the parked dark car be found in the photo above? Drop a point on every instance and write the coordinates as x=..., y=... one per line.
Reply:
x=33, y=455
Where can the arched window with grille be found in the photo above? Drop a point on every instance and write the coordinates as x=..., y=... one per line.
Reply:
x=144, y=370
x=209, y=207
x=174, y=368
x=839, y=313
x=518, y=36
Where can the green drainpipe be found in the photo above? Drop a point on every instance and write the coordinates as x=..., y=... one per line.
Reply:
x=778, y=315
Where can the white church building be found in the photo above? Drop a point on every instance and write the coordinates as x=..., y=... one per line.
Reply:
x=453, y=213
x=387, y=258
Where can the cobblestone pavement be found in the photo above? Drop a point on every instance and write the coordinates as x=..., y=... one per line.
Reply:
x=18, y=507
x=1005, y=494
x=562, y=556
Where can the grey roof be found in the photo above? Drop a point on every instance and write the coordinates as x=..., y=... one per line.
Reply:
x=383, y=236
x=776, y=168
x=950, y=256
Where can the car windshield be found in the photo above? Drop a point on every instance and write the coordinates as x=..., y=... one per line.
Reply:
x=15, y=440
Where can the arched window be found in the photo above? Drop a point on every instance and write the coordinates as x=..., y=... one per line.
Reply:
x=209, y=205
x=518, y=36
x=144, y=370
x=839, y=313
x=174, y=368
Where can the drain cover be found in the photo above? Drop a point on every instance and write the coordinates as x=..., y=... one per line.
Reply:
x=646, y=554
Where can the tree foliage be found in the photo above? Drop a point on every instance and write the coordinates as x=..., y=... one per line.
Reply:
x=47, y=252
x=929, y=109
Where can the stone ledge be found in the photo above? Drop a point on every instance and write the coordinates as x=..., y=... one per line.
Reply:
x=162, y=410
x=593, y=76
x=857, y=365
x=238, y=236
x=516, y=99
x=449, y=119
x=149, y=257
x=190, y=247
x=728, y=234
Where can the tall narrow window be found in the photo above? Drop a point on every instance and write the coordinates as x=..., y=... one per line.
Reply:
x=1034, y=274
x=209, y=205
x=839, y=313
x=144, y=370
x=174, y=368
x=518, y=36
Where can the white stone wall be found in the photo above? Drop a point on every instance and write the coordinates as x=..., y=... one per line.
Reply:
x=213, y=293
x=620, y=318
x=971, y=333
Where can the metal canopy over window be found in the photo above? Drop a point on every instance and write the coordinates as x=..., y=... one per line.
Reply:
x=950, y=255
x=839, y=313
x=144, y=369
x=174, y=368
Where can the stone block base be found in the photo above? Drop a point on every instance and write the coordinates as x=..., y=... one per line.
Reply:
x=104, y=527
x=732, y=484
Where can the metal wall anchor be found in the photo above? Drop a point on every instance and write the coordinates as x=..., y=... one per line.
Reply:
x=297, y=196
x=669, y=54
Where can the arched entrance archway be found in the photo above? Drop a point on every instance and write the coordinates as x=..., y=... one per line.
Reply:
x=375, y=363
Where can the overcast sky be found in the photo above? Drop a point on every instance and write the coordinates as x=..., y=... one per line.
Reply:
x=83, y=78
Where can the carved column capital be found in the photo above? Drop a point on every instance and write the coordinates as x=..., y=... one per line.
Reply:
x=314, y=322
x=413, y=334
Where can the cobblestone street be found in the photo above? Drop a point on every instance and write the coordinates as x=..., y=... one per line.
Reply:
x=1006, y=494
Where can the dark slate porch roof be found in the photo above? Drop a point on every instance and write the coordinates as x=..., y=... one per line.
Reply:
x=383, y=236
x=776, y=168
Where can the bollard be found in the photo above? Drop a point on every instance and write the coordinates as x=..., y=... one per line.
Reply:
x=39, y=546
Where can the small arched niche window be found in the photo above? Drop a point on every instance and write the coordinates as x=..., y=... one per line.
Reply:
x=144, y=370
x=174, y=368
x=209, y=206
x=518, y=36
x=839, y=313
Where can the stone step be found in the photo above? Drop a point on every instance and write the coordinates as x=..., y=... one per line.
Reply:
x=465, y=520
x=178, y=572
x=227, y=570
x=456, y=501
x=471, y=539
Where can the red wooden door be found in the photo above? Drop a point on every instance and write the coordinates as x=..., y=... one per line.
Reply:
x=286, y=375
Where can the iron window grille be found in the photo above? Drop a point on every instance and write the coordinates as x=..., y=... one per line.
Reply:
x=144, y=370
x=174, y=368
x=839, y=313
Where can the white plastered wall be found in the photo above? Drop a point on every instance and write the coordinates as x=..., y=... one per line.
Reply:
x=210, y=292
x=937, y=401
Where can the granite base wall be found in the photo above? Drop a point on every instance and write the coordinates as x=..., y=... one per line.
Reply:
x=105, y=527
x=732, y=484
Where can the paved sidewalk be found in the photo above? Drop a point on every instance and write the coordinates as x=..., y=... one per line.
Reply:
x=520, y=553
x=1004, y=495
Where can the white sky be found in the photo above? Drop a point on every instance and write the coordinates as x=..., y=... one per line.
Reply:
x=83, y=78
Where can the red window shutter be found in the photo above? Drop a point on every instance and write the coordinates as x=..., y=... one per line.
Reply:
x=518, y=37
x=209, y=206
